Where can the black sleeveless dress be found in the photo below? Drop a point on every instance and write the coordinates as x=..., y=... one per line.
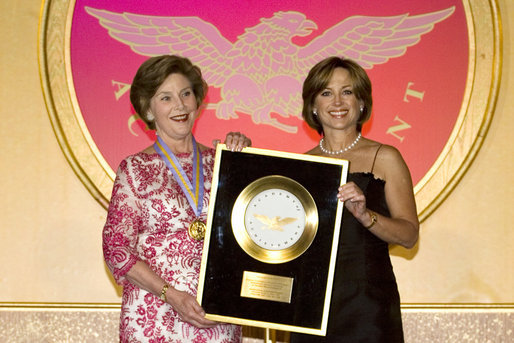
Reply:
x=365, y=304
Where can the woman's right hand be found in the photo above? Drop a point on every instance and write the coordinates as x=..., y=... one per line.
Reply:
x=142, y=276
x=188, y=308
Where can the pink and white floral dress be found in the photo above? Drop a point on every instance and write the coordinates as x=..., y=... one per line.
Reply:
x=147, y=220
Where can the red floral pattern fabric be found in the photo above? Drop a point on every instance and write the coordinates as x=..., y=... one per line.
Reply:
x=147, y=220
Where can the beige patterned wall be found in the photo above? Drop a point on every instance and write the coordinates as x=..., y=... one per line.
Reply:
x=50, y=225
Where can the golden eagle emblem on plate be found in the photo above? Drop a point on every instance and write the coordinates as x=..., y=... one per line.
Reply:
x=274, y=219
x=274, y=223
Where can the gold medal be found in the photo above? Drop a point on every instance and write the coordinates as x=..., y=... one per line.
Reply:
x=197, y=229
x=193, y=189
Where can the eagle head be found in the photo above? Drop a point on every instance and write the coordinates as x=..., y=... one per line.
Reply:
x=293, y=23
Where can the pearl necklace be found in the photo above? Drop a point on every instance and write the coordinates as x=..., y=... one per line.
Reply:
x=330, y=152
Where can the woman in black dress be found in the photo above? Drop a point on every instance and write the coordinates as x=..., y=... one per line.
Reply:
x=379, y=206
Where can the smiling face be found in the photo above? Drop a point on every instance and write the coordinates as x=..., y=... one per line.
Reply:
x=318, y=81
x=174, y=107
x=336, y=105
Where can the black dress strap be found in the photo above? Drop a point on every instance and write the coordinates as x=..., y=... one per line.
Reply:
x=376, y=153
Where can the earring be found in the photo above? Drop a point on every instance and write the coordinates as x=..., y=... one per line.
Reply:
x=149, y=116
x=362, y=109
x=315, y=112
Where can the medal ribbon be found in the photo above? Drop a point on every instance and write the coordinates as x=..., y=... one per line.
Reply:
x=194, y=192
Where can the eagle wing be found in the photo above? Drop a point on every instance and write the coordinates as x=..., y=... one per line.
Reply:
x=191, y=37
x=287, y=220
x=263, y=219
x=370, y=40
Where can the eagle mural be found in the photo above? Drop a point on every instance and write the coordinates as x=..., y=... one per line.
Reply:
x=262, y=72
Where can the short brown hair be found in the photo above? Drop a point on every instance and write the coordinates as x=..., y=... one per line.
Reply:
x=317, y=80
x=152, y=73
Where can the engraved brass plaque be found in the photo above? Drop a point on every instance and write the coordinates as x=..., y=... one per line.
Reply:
x=267, y=287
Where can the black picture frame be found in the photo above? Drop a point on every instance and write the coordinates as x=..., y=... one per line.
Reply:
x=224, y=261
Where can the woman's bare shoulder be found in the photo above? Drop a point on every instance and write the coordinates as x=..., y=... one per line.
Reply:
x=390, y=163
x=314, y=151
x=382, y=151
x=389, y=154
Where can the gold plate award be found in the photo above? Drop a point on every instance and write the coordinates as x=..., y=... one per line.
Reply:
x=271, y=240
x=274, y=219
x=197, y=229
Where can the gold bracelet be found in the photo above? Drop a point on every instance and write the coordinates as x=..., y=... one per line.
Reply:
x=373, y=216
x=163, y=292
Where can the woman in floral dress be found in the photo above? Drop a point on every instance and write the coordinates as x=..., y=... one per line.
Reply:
x=158, y=206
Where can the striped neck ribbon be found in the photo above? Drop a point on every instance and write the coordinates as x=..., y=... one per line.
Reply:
x=193, y=189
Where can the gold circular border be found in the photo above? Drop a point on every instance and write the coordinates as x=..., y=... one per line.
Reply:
x=482, y=87
x=238, y=219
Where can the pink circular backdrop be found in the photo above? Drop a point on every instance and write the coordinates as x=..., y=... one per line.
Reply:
x=435, y=67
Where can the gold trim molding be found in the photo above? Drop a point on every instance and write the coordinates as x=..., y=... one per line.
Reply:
x=477, y=109
x=485, y=62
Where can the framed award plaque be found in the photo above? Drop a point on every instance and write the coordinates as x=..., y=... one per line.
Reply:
x=271, y=242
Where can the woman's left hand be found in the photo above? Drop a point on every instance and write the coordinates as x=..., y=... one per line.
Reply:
x=354, y=200
x=235, y=141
